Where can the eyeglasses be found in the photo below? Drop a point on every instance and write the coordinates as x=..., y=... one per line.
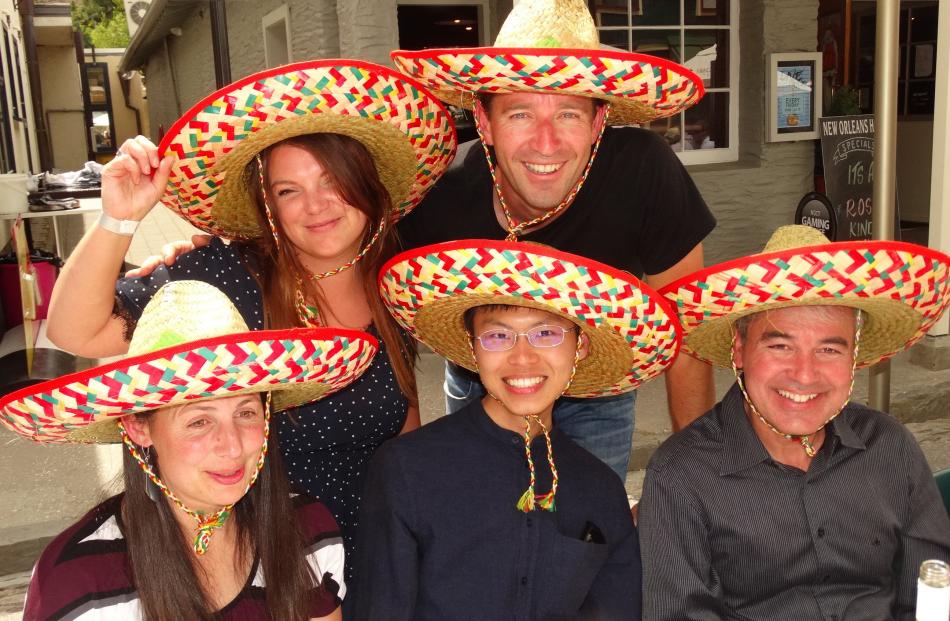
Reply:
x=503, y=339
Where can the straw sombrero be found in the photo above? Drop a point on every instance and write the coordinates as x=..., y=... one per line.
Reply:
x=633, y=334
x=190, y=344
x=903, y=288
x=552, y=45
x=407, y=131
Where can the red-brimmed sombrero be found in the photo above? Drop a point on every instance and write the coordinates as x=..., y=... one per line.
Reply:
x=190, y=344
x=633, y=333
x=553, y=45
x=903, y=289
x=407, y=131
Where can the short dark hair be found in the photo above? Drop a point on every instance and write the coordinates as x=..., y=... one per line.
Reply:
x=468, y=319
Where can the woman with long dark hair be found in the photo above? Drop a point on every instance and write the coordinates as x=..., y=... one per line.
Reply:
x=206, y=527
x=304, y=169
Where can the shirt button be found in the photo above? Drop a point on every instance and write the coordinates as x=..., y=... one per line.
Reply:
x=821, y=532
x=516, y=441
x=524, y=580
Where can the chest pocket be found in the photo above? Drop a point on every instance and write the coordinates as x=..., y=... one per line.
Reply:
x=574, y=564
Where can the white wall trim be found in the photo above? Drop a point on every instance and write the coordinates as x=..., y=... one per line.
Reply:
x=270, y=21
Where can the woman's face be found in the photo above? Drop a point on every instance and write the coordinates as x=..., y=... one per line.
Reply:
x=326, y=231
x=207, y=451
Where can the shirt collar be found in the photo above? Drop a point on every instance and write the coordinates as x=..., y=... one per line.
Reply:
x=743, y=449
x=483, y=422
x=841, y=427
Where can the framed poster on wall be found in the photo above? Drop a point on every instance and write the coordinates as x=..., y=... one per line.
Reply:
x=794, y=96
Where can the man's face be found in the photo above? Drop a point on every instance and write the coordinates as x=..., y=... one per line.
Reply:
x=797, y=364
x=542, y=144
x=525, y=379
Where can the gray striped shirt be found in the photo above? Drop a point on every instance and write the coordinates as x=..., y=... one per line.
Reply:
x=728, y=533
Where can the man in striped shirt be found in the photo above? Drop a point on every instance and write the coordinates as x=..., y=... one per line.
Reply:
x=786, y=501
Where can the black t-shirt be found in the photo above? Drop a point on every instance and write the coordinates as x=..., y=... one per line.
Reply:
x=638, y=210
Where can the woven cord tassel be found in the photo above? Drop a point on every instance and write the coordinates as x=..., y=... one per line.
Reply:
x=206, y=527
x=526, y=502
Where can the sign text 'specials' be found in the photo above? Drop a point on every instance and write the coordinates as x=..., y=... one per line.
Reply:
x=847, y=150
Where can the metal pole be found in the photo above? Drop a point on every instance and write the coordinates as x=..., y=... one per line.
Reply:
x=885, y=160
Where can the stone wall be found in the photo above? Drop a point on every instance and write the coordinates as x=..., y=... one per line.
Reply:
x=175, y=87
x=313, y=32
x=760, y=192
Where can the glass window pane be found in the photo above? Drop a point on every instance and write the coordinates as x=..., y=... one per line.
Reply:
x=707, y=54
x=707, y=123
x=616, y=38
x=610, y=13
x=655, y=12
x=670, y=129
x=923, y=24
x=662, y=43
x=707, y=12
x=920, y=97
x=923, y=59
x=101, y=132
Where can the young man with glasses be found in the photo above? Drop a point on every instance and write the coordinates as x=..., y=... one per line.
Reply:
x=495, y=512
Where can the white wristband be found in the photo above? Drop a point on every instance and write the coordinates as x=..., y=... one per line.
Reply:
x=119, y=227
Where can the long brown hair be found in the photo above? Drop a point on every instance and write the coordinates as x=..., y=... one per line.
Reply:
x=161, y=560
x=351, y=169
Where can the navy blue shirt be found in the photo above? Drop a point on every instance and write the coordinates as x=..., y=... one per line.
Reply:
x=441, y=538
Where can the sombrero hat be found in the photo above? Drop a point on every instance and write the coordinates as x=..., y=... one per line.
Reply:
x=552, y=45
x=407, y=131
x=903, y=289
x=633, y=334
x=190, y=344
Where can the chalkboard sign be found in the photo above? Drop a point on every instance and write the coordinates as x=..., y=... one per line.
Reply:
x=847, y=151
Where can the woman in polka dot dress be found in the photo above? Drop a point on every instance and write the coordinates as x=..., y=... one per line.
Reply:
x=304, y=168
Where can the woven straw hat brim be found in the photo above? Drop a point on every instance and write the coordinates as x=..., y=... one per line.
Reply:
x=296, y=365
x=903, y=288
x=638, y=87
x=632, y=332
x=406, y=130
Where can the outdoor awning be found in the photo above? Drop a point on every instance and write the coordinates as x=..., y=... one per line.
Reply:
x=162, y=15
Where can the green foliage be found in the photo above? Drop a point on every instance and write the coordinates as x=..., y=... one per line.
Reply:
x=844, y=102
x=101, y=22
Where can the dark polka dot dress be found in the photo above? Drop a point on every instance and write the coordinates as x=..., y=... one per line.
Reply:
x=326, y=445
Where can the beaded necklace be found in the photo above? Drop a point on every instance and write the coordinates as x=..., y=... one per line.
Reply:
x=515, y=228
x=805, y=439
x=207, y=522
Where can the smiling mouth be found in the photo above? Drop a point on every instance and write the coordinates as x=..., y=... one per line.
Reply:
x=524, y=382
x=797, y=397
x=543, y=169
x=322, y=225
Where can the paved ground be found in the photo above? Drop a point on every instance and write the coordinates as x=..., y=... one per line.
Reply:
x=44, y=489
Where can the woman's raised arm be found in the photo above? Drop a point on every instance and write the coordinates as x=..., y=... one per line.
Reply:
x=80, y=318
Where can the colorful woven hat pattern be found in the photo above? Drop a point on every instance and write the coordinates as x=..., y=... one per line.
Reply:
x=553, y=45
x=406, y=130
x=168, y=365
x=633, y=335
x=904, y=289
